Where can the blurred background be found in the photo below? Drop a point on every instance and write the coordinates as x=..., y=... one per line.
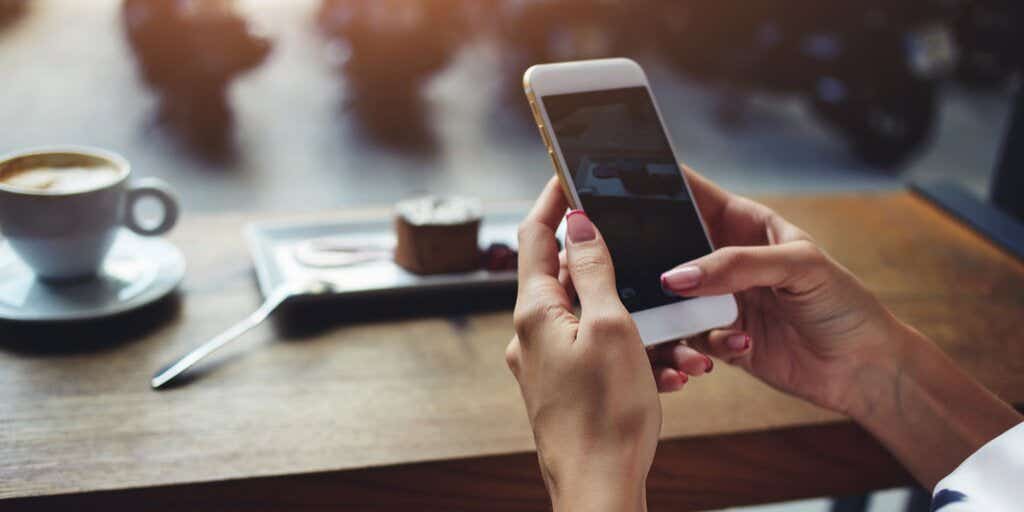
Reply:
x=276, y=105
x=300, y=105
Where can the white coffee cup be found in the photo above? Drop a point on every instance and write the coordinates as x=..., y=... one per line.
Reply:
x=61, y=208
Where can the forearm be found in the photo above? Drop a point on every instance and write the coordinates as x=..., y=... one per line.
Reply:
x=925, y=410
x=597, y=486
x=599, y=498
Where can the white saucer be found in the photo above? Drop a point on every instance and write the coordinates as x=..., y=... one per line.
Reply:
x=137, y=272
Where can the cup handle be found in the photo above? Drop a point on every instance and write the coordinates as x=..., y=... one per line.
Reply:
x=157, y=189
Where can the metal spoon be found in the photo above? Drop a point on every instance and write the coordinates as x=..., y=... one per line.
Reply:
x=277, y=297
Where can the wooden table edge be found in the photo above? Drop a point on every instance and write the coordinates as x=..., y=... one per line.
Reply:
x=690, y=473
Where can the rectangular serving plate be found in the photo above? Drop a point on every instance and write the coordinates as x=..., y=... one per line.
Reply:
x=272, y=245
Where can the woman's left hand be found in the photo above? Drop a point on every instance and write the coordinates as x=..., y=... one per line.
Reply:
x=586, y=379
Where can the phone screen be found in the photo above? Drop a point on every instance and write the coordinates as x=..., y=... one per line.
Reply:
x=630, y=185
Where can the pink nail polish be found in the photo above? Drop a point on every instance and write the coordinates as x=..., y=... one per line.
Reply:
x=682, y=278
x=578, y=227
x=709, y=364
x=738, y=342
x=684, y=377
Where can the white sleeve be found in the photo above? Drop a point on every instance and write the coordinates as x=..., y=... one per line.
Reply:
x=991, y=479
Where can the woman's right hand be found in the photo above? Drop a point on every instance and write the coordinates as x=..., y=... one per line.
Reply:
x=806, y=325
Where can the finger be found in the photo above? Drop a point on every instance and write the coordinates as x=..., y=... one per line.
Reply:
x=796, y=267
x=690, y=361
x=669, y=379
x=660, y=355
x=683, y=358
x=538, y=249
x=564, y=278
x=590, y=266
x=736, y=220
x=541, y=300
x=710, y=199
x=729, y=345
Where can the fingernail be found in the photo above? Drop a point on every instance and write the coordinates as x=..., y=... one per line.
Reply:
x=682, y=278
x=578, y=227
x=738, y=342
x=709, y=364
x=684, y=378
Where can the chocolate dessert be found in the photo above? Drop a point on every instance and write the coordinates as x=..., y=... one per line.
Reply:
x=438, y=235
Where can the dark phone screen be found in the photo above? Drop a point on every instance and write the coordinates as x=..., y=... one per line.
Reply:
x=629, y=183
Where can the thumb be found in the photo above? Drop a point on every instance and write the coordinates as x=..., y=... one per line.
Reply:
x=590, y=265
x=796, y=267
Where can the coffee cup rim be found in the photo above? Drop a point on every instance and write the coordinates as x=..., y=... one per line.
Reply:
x=120, y=162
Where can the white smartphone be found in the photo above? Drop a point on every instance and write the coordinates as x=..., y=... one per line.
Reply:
x=614, y=158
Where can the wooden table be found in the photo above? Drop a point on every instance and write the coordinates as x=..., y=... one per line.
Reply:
x=363, y=409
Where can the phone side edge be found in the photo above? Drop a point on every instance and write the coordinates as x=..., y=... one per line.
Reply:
x=547, y=137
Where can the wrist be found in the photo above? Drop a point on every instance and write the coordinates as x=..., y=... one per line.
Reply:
x=875, y=374
x=599, y=494
x=598, y=474
x=599, y=484
x=927, y=411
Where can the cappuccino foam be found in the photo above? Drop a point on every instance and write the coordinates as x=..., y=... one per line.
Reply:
x=61, y=180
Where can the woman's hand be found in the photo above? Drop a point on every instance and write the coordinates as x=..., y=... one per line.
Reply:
x=806, y=324
x=809, y=327
x=586, y=379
